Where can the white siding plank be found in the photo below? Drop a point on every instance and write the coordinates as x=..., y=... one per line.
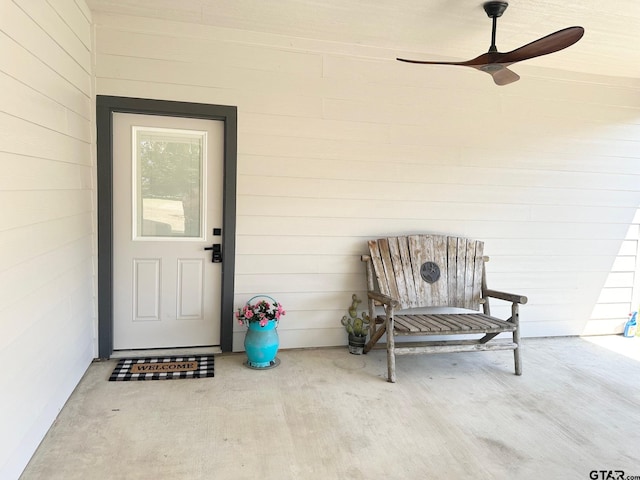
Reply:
x=588, y=282
x=382, y=190
x=283, y=125
x=619, y=279
x=604, y=311
x=341, y=245
x=366, y=163
x=41, y=238
x=189, y=12
x=21, y=172
x=559, y=213
x=184, y=93
x=597, y=263
x=39, y=206
x=18, y=282
x=273, y=284
x=24, y=102
x=633, y=234
x=15, y=23
x=604, y=326
x=551, y=247
x=26, y=68
x=616, y=295
x=288, y=103
x=84, y=9
x=77, y=16
x=309, y=302
x=200, y=74
x=288, y=263
x=25, y=138
x=176, y=27
x=49, y=21
x=379, y=227
x=201, y=51
x=35, y=300
x=339, y=208
x=300, y=245
x=624, y=264
x=45, y=376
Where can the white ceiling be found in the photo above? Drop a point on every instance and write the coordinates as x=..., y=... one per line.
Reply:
x=425, y=29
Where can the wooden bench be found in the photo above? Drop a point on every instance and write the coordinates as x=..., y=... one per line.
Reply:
x=416, y=272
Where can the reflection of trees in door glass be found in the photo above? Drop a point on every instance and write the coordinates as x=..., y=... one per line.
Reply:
x=169, y=182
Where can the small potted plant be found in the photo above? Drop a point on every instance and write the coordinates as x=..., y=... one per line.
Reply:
x=357, y=327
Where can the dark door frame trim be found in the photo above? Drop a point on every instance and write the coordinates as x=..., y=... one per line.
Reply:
x=105, y=107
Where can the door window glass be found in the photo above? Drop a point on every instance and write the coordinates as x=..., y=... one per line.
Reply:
x=168, y=183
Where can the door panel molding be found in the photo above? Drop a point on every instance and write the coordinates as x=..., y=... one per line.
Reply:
x=105, y=107
x=146, y=274
x=190, y=297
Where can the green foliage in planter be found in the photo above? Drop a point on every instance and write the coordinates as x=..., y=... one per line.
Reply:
x=358, y=326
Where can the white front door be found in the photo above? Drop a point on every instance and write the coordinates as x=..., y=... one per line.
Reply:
x=167, y=207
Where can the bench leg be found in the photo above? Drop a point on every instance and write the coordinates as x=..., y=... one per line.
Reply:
x=515, y=318
x=391, y=355
x=516, y=354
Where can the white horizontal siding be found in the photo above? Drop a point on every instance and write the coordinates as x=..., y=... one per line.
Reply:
x=46, y=219
x=619, y=296
x=24, y=66
x=340, y=143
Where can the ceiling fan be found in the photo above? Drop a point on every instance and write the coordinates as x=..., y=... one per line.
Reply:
x=495, y=63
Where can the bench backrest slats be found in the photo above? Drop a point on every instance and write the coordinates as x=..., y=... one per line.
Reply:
x=397, y=263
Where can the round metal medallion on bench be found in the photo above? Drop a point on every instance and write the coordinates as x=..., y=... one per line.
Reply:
x=430, y=272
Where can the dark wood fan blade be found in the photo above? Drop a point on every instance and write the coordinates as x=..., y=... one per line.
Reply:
x=501, y=75
x=484, y=59
x=430, y=63
x=543, y=46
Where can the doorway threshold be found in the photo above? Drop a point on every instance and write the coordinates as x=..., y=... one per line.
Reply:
x=158, y=352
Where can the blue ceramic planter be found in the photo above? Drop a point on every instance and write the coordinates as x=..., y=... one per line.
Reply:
x=261, y=345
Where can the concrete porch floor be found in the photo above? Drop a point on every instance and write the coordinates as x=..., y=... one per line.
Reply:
x=326, y=414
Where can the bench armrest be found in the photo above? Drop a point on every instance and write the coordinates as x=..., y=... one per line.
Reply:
x=383, y=299
x=509, y=297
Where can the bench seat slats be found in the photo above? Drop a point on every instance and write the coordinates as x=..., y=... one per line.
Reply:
x=449, y=324
x=423, y=322
x=442, y=325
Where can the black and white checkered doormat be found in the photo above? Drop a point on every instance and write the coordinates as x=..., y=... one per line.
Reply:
x=163, y=368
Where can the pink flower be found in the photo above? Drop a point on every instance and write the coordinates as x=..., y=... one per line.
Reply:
x=261, y=312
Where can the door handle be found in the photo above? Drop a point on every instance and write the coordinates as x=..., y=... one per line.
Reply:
x=216, y=254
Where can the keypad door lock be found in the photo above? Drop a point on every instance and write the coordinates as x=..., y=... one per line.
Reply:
x=216, y=254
